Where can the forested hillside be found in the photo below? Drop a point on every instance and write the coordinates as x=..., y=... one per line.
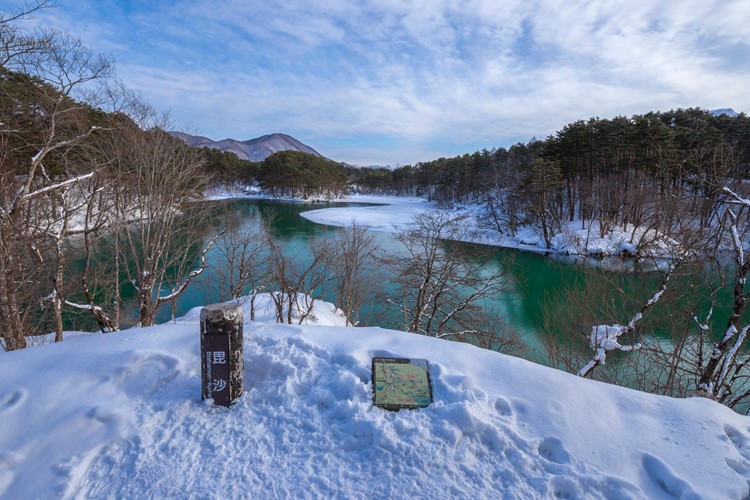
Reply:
x=294, y=173
x=658, y=169
x=282, y=174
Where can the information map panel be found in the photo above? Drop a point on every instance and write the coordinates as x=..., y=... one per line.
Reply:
x=401, y=383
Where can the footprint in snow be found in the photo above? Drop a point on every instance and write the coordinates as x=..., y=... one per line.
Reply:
x=738, y=439
x=12, y=400
x=148, y=373
x=666, y=479
x=503, y=408
x=8, y=461
x=553, y=450
x=104, y=415
x=740, y=442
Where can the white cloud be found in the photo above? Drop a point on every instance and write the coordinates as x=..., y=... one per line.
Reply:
x=423, y=72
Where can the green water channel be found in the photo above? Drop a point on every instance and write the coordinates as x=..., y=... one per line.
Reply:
x=550, y=303
x=549, y=297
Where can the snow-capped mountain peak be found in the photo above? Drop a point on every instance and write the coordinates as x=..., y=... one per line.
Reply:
x=724, y=111
x=257, y=149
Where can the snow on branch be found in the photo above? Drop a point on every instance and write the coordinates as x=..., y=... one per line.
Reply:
x=47, y=148
x=723, y=358
x=604, y=338
x=195, y=272
x=59, y=185
x=703, y=325
x=736, y=238
x=735, y=198
x=457, y=334
x=83, y=307
x=731, y=355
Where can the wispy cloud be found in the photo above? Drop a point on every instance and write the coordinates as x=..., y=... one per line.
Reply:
x=420, y=73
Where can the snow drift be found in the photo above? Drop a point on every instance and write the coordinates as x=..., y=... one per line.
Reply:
x=120, y=416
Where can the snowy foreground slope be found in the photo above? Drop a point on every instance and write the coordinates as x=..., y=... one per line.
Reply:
x=120, y=416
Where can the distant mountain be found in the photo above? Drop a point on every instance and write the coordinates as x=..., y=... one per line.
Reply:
x=254, y=149
x=724, y=111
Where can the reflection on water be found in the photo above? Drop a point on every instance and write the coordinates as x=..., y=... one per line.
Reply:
x=614, y=264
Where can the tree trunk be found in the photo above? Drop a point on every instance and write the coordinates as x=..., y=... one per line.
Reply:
x=11, y=325
x=709, y=375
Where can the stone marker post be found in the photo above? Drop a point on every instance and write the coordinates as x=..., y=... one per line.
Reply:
x=222, y=362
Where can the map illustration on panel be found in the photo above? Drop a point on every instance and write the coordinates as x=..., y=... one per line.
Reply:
x=401, y=383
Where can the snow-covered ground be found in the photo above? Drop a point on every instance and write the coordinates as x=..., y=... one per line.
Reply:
x=395, y=213
x=388, y=214
x=224, y=192
x=120, y=416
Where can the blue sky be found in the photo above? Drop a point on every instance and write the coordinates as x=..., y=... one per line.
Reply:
x=397, y=81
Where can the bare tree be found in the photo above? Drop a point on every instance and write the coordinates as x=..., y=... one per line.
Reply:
x=294, y=284
x=99, y=275
x=605, y=338
x=354, y=266
x=691, y=361
x=157, y=179
x=16, y=42
x=48, y=177
x=54, y=226
x=540, y=185
x=239, y=268
x=100, y=291
x=442, y=284
x=41, y=125
x=651, y=350
x=724, y=374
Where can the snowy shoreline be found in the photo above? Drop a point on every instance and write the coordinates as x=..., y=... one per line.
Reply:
x=394, y=213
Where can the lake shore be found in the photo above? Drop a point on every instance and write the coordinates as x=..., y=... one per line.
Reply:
x=578, y=241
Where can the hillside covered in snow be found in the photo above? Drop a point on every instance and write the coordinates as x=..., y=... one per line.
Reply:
x=120, y=416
